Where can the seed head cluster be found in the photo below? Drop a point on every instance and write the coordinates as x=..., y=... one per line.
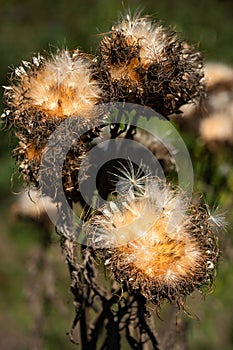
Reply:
x=139, y=62
x=150, y=239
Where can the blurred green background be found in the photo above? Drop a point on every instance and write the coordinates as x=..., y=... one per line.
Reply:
x=31, y=26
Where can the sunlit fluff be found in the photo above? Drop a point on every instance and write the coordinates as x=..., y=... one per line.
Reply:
x=60, y=86
x=136, y=214
x=217, y=219
x=151, y=38
x=130, y=179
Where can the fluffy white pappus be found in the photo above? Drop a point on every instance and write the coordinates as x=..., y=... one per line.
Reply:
x=130, y=178
x=134, y=215
x=217, y=219
x=65, y=86
x=61, y=86
x=152, y=38
x=123, y=222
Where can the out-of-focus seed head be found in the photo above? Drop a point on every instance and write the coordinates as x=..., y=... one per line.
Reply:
x=154, y=244
x=147, y=64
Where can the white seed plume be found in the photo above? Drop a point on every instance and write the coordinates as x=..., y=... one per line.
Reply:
x=152, y=38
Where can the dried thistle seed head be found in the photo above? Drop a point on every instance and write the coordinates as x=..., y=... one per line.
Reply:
x=153, y=245
x=147, y=64
x=59, y=86
x=43, y=93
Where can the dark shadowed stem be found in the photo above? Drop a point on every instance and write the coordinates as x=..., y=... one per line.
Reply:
x=143, y=325
x=121, y=318
x=105, y=318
